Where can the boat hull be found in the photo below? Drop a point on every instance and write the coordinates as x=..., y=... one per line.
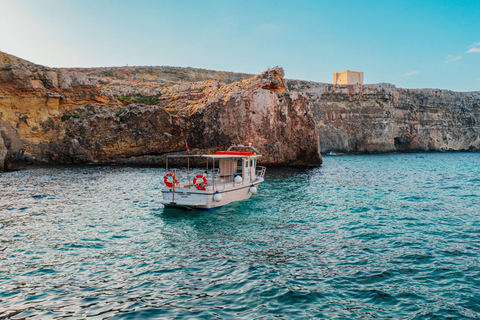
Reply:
x=191, y=198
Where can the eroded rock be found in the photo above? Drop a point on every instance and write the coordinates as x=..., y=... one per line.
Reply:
x=210, y=116
x=382, y=118
x=3, y=154
x=12, y=151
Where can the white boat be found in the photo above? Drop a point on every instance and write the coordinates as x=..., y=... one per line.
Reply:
x=229, y=176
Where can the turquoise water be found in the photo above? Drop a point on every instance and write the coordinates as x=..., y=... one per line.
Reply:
x=383, y=236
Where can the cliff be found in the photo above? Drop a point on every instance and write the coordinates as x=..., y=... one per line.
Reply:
x=209, y=115
x=139, y=114
x=68, y=116
x=11, y=148
x=8, y=59
x=382, y=118
x=33, y=98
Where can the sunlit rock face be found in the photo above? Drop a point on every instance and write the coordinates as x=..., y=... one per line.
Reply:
x=258, y=110
x=34, y=98
x=139, y=114
x=208, y=115
x=382, y=118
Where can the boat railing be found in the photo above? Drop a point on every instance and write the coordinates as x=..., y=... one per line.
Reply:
x=260, y=171
x=216, y=179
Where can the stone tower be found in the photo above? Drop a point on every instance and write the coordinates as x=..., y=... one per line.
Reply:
x=348, y=77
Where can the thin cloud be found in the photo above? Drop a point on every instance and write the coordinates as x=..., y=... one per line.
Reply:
x=474, y=50
x=411, y=73
x=452, y=58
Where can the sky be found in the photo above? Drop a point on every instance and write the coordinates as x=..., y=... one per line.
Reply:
x=410, y=43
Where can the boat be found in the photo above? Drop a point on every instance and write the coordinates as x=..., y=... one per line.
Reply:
x=229, y=176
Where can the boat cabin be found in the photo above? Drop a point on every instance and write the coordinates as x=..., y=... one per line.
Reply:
x=222, y=168
x=229, y=176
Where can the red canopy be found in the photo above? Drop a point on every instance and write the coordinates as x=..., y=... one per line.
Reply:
x=235, y=153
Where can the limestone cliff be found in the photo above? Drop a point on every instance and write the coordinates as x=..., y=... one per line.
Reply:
x=258, y=110
x=139, y=114
x=71, y=116
x=11, y=148
x=383, y=118
x=33, y=99
x=209, y=115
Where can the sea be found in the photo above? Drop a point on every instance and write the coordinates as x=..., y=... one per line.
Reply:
x=393, y=236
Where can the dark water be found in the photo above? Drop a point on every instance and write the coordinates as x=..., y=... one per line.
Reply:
x=386, y=236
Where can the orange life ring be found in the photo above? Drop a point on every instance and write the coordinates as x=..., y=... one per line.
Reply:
x=167, y=183
x=200, y=187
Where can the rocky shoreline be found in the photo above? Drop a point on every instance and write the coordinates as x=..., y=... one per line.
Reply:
x=137, y=115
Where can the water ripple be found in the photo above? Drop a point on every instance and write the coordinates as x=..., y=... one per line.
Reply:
x=386, y=236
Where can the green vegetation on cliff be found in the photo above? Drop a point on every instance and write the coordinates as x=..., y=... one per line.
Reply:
x=140, y=99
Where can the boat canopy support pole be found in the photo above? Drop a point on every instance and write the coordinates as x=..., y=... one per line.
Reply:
x=174, y=177
x=213, y=173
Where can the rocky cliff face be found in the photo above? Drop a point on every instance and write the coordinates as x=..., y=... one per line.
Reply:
x=138, y=114
x=11, y=148
x=3, y=154
x=72, y=116
x=259, y=111
x=383, y=118
x=33, y=99
x=8, y=59
x=209, y=115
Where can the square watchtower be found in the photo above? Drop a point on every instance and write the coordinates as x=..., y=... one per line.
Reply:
x=348, y=77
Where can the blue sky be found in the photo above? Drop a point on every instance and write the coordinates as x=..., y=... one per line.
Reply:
x=412, y=44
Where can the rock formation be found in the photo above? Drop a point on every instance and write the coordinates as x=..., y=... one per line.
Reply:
x=33, y=99
x=382, y=118
x=8, y=59
x=70, y=115
x=139, y=114
x=3, y=154
x=208, y=115
x=258, y=110
x=11, y=148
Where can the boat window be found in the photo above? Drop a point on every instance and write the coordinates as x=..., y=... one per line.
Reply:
x=254, y=162
x=246, y=163
x=239, y=165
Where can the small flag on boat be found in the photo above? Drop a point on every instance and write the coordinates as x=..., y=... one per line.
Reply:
x=188, y=149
